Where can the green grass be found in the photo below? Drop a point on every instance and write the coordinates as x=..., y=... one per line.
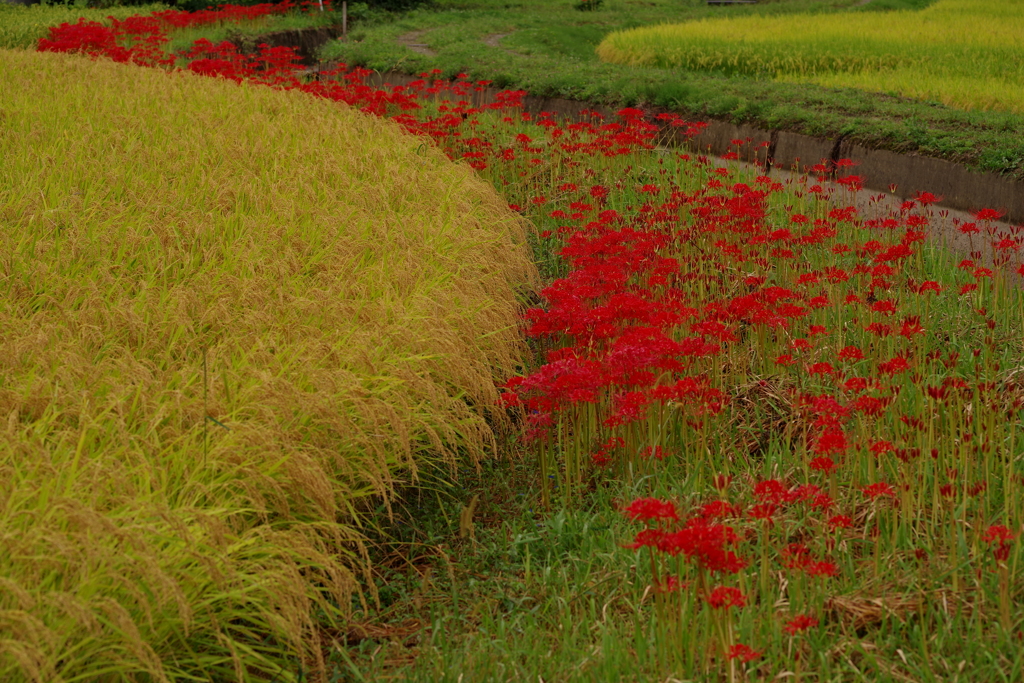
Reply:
x=551, y=594
x=548, y=49
x=554, y=596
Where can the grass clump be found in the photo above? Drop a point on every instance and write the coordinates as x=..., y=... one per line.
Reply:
x=231, y=318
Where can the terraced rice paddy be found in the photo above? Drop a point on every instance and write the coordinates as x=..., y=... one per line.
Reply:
x=963, y=53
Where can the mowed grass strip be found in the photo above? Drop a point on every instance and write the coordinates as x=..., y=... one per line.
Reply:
x=963, y=53
x=230, y=318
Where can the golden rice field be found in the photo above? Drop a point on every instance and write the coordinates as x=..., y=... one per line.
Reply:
x=229, y=318
x=964, y=53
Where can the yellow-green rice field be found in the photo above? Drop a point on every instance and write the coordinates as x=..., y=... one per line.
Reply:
x=963, y=53
x=230, y=317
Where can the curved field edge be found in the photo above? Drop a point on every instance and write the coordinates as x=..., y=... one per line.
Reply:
x=958, y=52
x=986, y=141
x=232, y=317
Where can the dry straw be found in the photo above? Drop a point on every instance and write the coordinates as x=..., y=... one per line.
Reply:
x=229, y=316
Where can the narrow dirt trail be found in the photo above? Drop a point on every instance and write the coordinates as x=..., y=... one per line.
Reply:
x=413, y=41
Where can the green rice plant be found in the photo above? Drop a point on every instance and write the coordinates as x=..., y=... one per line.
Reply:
x=964, y=53
x=230, y=319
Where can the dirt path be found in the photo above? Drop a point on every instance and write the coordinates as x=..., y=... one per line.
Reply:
x=494, y=39
x=413, y=41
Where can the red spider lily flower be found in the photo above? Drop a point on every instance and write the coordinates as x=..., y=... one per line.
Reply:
x=823, y=502
x=822, y=569
x=820, y=369
x=894, y=253
x=846, y=214
x=763, y=512
x=803, y=493
x=894, y=366
x=970, y=287
x=603, y=455
x=999, y=538
x=719, y=509
x=840, y=522
x=651, y=509
x=795, y=556
x=648, y=538
x=705, y=544
x=998, y=533
x=724, y=597
x=873, y=491
x=869, y=405
x=808, y=278
x=785, y=360
x=854, y=182
x=879, y=329
x=799, y=624
x=629, y=407
x=926, y=198
x=880, y=447
x=884, y=307
x=801, y=345
x=744, y=653
x=911, y=326
x=823, y=464
x=856, y=384
x=989, y=215
x=818, y=302
x=851, y=353
x=771, y=491
x=831, y=442
x=656, y=452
